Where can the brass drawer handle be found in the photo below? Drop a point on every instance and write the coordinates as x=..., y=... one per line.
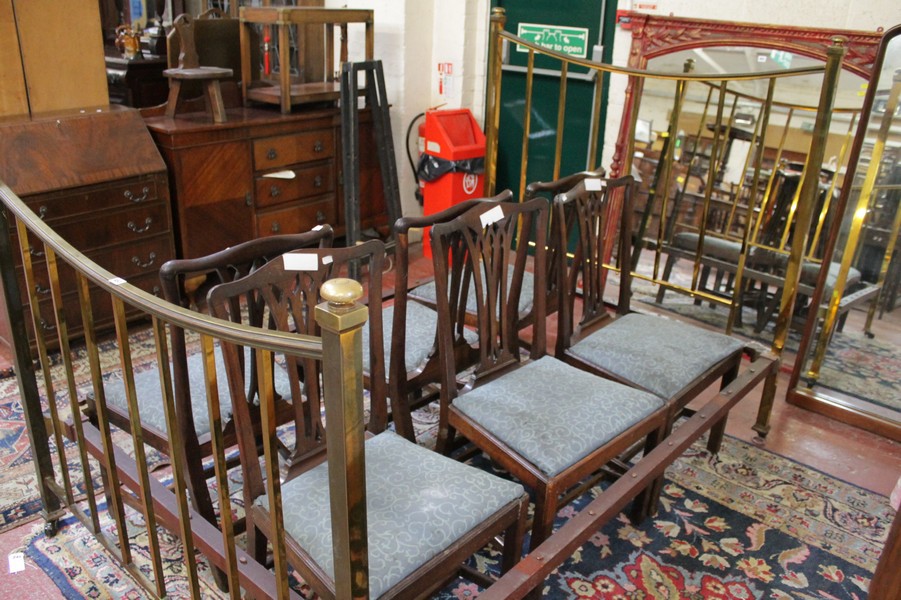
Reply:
x=42, y=211
x=274, y=191
x=320, y=217
x=318, y=146
x=317, y=181
x=147, y=222
x=248, y=199
x=151, y=258
x=156, y=291
x=46, y=326
x=272, y=154
x=41, y=290
x=129, y=196
x=35, y=253
x=275, y=227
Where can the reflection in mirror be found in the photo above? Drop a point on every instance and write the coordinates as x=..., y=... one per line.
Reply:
x=854, y=375
x=739, y=180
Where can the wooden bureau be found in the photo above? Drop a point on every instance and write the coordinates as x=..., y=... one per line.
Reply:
x=260, y=173
x=98, y=180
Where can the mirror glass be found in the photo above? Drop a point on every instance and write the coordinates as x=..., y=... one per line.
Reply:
x=853, y=361
x=728, y=155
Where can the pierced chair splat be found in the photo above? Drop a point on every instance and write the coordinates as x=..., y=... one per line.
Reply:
x=409, y=345
x=426, y=513
x=673, y=360
x=182, y=282
x=548, y=424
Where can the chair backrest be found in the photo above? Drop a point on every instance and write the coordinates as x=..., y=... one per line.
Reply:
x=214, y=43
x=286, y=293
x=548, y=190
x=183, y=282
x=402, y=261
x=477, y=250
x=590, y=215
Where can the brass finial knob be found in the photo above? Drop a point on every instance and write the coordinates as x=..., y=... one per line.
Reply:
x=341, y=292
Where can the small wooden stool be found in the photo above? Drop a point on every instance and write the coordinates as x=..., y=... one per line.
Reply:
x=189, y=69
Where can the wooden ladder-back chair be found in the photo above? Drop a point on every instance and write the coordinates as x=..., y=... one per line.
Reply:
x=411, y=344
x=547, y=423
x=426, y=513
x=178, y=277
x=670, y=359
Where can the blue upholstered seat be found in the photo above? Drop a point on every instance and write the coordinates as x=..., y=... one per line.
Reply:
x=428, y=293
x=418, y=503
x=681, y=352
x=421, y=324
x=524, y=408
x=150, y=402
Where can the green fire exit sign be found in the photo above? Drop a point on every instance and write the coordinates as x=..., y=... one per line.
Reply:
x=568, y=40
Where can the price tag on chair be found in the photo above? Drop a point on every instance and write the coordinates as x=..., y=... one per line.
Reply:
x=16, y=562
x=301, y=262
x=492, y=216
x=594, y=184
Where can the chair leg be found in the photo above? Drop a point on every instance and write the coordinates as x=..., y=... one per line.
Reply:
x=715, y=440
x=645, y=503
x=513, y=538
x=667, y=271
x=702, y=282
x=403, y=419
x=543, y=517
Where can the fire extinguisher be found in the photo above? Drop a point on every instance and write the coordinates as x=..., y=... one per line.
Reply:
x=420, y=147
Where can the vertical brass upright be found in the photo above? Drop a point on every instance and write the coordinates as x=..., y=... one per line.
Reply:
x=493, y=95
x=808, y=192
x=342, y=318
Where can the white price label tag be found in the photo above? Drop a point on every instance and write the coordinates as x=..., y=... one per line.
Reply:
x=433, y=147
x=16, y=562
x=301, y=262
x=594, y=185
x=327, y=260
x=492, y=216
x=117, y=281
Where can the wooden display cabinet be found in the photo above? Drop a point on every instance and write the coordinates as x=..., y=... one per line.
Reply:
x=261, y=173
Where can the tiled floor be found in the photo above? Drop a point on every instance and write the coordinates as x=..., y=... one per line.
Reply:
x=846, y=452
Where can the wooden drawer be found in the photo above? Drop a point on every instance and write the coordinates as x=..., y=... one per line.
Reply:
x=120, y=227
x=283, y=150
x=296, y=218
x=308, y=181
x=129, y=262
x=100, y=302
x=65, y=205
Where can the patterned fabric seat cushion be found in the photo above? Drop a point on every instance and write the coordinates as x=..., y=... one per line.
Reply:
x=421, y=324
x=658, y=354
x=428, y=293
x=554, y=414
x=418, y=503
x=150, y=400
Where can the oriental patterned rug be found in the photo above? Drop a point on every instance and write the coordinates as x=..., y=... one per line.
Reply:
x=19, y=494
x=744, y=524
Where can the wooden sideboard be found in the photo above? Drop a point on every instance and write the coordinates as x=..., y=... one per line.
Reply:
x=97, y=178
x=260, y=173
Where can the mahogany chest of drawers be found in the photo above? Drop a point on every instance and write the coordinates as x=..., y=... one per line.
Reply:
x=260, y=173
x=98, y=180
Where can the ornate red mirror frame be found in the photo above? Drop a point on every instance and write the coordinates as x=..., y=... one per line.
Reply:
x=655, y=35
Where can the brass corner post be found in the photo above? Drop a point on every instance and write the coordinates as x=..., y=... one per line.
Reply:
x=341, y=318
x=808, y=191
x=493, y=96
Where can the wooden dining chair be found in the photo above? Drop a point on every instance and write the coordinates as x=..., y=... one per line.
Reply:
x=183, y=282
x=410, y=345
x=673, y=360
x=426, y=513
x=550, y=425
